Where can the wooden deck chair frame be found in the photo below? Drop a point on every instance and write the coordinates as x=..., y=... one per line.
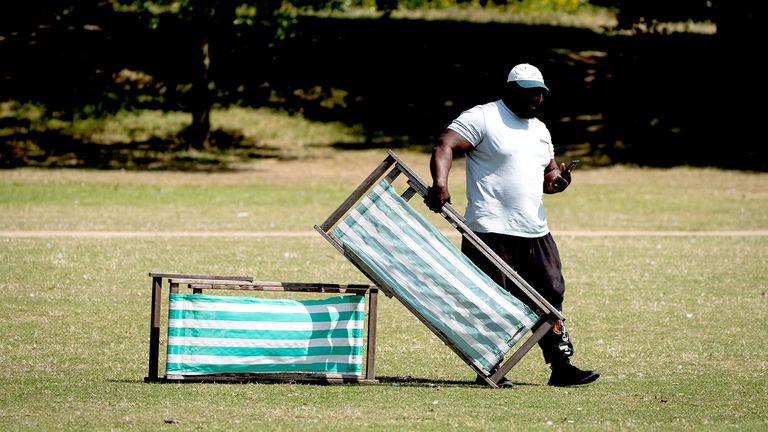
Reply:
x=391, y=168
x=200, y=282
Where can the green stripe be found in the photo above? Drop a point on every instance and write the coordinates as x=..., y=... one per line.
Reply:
x=264, y=334
x=270, y=317
x=353, y=299
x=264, y=352
x=266, y=316
x=388, y=245
x=181, y=368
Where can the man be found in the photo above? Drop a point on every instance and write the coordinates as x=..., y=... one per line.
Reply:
x=510, y=165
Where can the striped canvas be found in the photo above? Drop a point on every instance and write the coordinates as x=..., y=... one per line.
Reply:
x=210, y=334
x=431, y=275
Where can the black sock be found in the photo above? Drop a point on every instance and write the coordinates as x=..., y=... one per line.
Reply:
x=560, y=363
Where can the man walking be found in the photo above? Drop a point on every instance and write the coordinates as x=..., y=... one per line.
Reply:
x=510, y=164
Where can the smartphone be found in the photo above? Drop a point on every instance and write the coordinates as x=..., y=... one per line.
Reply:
x=572, y=164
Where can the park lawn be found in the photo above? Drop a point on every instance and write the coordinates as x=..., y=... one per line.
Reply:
x=295, y=195
x=673, y=322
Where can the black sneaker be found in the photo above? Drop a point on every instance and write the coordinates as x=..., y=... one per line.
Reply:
x=566, y=374
x=504, y=383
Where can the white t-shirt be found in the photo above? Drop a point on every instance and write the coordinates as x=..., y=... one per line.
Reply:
x=505, y=170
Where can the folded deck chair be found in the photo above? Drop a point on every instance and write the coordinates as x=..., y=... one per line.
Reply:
x=232, y=336
x=392, y=244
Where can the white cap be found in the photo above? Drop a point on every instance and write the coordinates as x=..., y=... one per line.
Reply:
x=527, y=76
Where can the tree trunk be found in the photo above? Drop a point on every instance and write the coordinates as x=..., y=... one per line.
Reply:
x=202, y=99
x=201, y=94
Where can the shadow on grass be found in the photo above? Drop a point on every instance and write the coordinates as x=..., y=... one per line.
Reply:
x=53, y=149
x=425, y=382
x=404, y=381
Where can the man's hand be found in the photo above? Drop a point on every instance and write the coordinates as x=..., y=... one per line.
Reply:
x=563, y=180
x=436, y=198
x=557, y=179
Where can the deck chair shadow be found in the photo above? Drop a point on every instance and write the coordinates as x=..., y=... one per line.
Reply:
x=408, y=258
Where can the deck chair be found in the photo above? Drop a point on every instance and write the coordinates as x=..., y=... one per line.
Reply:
x=397, y=248
x=216, y=334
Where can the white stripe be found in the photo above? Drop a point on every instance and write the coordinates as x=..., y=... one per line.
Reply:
x=186, y=304
x=467, y=291
x=263, y=343
x=424, y=278
x=264, y=325
x=491, y=291
x=260, y=360
x=414, y=291
x=355, y=214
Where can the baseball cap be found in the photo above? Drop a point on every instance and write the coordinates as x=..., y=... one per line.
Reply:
x=527, y=76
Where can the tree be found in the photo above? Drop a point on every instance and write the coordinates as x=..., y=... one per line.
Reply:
x=726, y=66
x=646, y=15
x=211, y=25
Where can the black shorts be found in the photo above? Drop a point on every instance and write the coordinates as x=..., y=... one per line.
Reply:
x=536, y=260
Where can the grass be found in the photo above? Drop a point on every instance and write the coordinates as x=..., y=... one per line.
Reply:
x=674, y=323
x=594, y=19
x=153, y=139
x=293, y=195
x=562, y=13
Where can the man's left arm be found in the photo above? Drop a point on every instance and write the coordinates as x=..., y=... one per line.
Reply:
x=556, y=178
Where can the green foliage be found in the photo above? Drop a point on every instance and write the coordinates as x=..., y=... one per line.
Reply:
x=274, y=16
x=517, y=6
x=648, y=15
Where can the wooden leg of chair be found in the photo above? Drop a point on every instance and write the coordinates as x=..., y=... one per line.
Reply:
x=154, y=329
x=370, y=362
x=523, y=349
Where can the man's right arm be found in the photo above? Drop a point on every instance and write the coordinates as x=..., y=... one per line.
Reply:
x=450, y=144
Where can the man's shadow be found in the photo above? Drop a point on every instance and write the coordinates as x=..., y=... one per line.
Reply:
x=430, y=382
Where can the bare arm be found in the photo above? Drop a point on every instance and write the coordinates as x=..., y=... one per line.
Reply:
x=450, y=144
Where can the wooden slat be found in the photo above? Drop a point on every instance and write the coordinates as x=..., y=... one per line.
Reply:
x=393, y=174
x=408, y=194
x=361, y=189
x=370, y=356
x=199, y=276
x=197, y=284
x=351, y=290
x=545, y=326
x=317, y=378
x=154, y=329
x=320, y=286
x=201, y=281
x=331, y=240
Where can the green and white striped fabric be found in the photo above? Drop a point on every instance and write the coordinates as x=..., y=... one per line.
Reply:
x=431, y=275
x=210, y=334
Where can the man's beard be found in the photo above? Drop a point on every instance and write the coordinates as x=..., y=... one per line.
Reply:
x=528, y=112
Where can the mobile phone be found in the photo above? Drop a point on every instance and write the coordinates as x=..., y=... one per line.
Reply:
x=572, y=164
